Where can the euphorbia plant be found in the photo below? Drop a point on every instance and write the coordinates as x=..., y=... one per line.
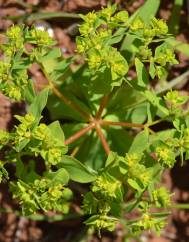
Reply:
x=106, y=114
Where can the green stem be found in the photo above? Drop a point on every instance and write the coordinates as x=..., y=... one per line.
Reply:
x=174, y=82
x=171, y=84
x=180, y=205
x=157, y=121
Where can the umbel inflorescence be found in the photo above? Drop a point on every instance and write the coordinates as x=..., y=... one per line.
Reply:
x=95, y=100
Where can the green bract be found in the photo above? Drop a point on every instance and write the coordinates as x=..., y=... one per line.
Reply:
x=103, y=117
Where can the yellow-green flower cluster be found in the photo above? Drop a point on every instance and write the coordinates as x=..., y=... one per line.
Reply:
x=4, y=72
x=48, y=146
x=93, y=205
x=39, y=37
x=3, y=172
x=148, y=222
x=90, y=22
x=137, y=171
x=165, y=56
x=137, y=24
x=24, y=129
x=15, y=39
x=14, y=79
x=42, y=194
x=107, y=186
x=174, y=97
x=156, y=28
x=161, y=197
x=117, y=64
x=185, y=139
x=174, y=100
x=110, y=58
x=12, y=82
x=141, y=174
x=41, y=141
x=97, y=28
x=132, y=159
x=4, y=138
x=147, y=34
x=95, y=42
x=166, y=156
x=105, y=17
x=105, y=191
x=159, y=26
x=99, y=222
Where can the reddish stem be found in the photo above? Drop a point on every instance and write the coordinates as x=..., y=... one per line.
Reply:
x=102, y=106
x=70, y=103
x=79, y=134
x=123, y=124
x=102, y=138
x=67, y=101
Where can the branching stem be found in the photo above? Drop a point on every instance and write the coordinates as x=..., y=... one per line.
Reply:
x=68, y=102
x=156, y=122
x=102, y=138
x=123, y=124
x=102, y=106
x=79, y=134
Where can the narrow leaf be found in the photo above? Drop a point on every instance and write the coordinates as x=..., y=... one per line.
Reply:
x=142, y=75
x=39, y=103
x=29, y=92
x=148, y=10
x=44, y=15
x=134, y=184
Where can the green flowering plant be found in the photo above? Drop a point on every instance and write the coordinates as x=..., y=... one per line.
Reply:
x=102, y=121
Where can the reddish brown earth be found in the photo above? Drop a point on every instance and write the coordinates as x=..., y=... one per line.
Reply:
x=14, y=228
